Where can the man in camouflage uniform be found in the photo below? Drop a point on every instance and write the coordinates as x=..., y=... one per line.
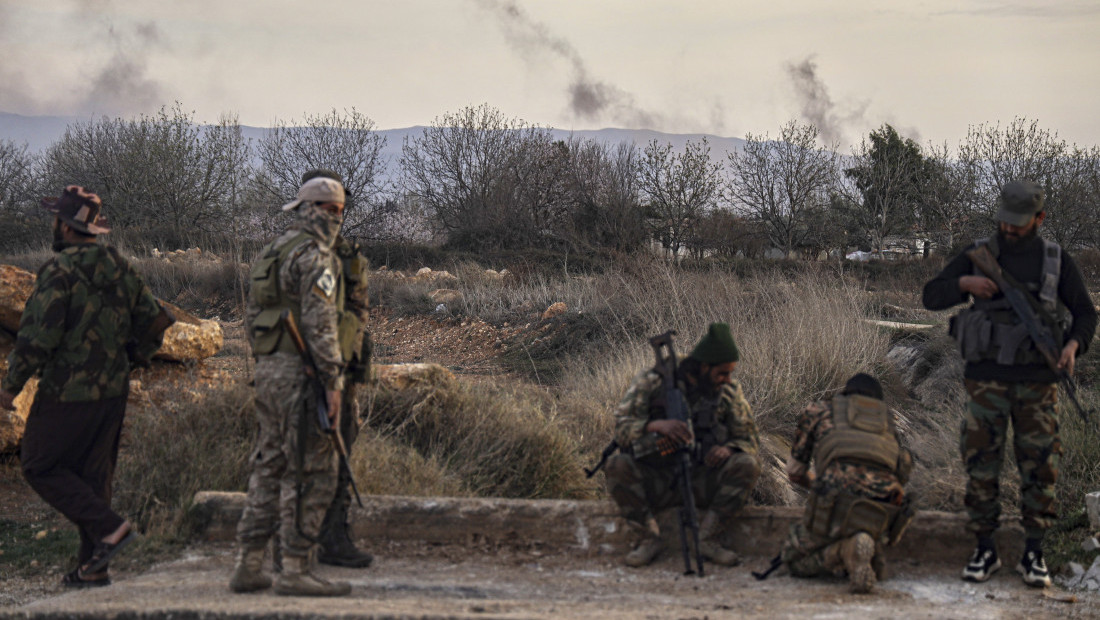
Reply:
x=1008, y=379
x=642, y=483
x=337, y=547
x=294, y=465
x=88, y=321
x=858, y=504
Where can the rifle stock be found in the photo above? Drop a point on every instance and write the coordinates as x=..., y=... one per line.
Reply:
x=1018, y=299
x=321, y=396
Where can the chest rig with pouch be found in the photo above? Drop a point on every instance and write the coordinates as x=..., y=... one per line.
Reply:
x=268, y=333
x=990, y=330
x=863, y=432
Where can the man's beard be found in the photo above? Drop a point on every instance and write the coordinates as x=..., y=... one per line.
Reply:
x=1017, y=241
x=706, y=386
x=58, y=240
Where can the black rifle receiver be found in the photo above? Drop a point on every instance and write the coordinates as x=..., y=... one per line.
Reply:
x=676, y=409
x=310, y=368
x=1018, y=299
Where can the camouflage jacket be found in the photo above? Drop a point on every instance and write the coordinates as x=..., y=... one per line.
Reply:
x=309, y=277
x=863, y=479
x=732, y=411
x=89, y=307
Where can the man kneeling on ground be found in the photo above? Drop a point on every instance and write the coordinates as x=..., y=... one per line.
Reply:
x=858, y=503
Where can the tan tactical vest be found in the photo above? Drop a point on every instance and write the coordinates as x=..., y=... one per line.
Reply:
x=863, y=431
x=267, y=330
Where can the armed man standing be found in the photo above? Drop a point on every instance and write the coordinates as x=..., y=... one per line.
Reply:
x=1010, y=375
x=642, y=479
x=88, y=321
x=337, y=548
x=858, y=504
x=296, y=278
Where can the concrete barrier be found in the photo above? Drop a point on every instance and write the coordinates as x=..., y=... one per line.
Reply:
x=584, y=527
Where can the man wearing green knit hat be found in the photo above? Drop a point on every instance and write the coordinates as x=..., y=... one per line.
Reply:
x=641, y=477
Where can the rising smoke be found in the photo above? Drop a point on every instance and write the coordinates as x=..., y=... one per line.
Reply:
x=119, y=82
x=589, y=99
x=817, y=107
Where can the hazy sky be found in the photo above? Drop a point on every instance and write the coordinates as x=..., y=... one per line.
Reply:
x=726, y=67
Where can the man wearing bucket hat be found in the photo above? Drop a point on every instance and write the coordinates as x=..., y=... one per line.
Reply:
x=294, y=464
x=642, y=482
x=1006, y=376
x=88, y=321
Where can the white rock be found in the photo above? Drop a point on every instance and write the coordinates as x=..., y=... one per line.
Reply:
x=1091, y=544
x=1092, y=503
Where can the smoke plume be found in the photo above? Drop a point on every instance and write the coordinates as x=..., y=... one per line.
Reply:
x=817, y=106
x=119, y=84
x=589, y=99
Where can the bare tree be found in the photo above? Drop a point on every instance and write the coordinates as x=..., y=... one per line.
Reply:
x=782, y=182
x=603, y=187
x=344, y=142
x=161, y=177
x=17, y=196
x=678, y=189
x=946, y=197
x=488, y=181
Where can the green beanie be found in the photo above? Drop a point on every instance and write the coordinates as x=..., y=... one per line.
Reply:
x=717, y=347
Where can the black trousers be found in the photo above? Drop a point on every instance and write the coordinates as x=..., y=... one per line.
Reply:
x=68, y=457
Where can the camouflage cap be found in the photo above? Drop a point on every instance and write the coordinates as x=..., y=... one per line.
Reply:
x=717, y=346
x=319, y=189
x=78, y=208
x=1020, y=201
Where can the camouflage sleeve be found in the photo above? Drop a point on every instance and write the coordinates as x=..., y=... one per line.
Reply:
x=310, y=274
x=144, y=314
x=41, y=327
x=740, y=421
x=802, y=448
x=632, y=413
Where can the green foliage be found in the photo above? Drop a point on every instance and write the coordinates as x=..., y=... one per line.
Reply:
x=24, y=553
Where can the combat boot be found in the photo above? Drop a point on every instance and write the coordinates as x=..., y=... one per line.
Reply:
x=297, y=580
x=248, y=575
x=857, y=552
x=649, y=543
x=337, y=549
x=709, y=547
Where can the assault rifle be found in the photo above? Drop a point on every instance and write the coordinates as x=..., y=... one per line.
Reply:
x=1025, y=307
x=676, y=409
x=319, y=395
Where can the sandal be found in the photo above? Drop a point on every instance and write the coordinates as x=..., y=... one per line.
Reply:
x=105, y=551
x=76, y=579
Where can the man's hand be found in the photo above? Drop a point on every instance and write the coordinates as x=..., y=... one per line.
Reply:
x=1068, y=357
x=799, y=473
x=676, y=430
x=7, y=400
x=717, y=456
x=978, y=286
x=333, y=397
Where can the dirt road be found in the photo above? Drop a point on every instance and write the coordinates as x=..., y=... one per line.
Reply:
x=418, y=581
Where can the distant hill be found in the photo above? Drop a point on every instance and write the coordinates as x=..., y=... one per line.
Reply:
x=39, y=132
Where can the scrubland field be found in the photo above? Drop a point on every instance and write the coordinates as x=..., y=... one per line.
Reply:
x=534, y=397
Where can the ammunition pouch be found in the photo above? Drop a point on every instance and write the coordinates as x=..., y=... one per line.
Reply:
x=267, y=334
x=359, y=368
x=347, y=328
x=836, y=515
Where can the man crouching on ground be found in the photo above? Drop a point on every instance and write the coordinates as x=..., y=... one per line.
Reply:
x=858, y=503
x=642, y=483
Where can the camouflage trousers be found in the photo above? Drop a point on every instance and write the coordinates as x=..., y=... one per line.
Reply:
x=1032, y=409
x=285, y=482
x=641, y=491
x=807, y=555
x=337, y=513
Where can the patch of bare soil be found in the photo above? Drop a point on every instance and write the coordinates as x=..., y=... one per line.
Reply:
x=421, y=581
x=467, y=346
